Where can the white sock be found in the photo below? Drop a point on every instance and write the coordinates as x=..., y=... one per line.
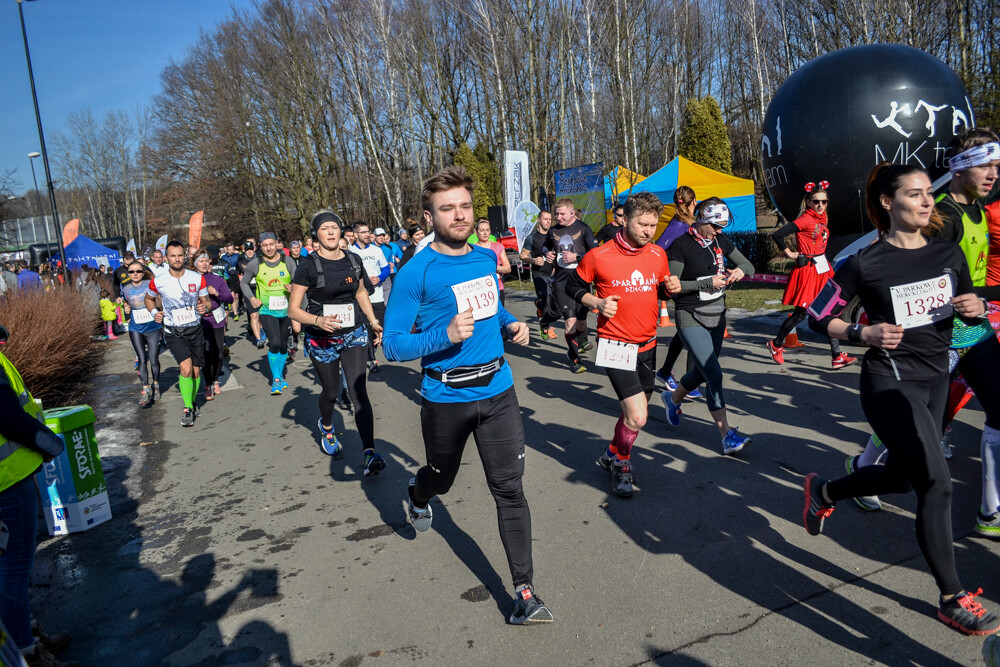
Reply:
x=874, y=451
x=989, y=451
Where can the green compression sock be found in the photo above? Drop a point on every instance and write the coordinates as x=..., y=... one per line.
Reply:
x=186, y=386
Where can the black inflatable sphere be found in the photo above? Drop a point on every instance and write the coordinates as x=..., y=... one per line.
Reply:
x=842, y=113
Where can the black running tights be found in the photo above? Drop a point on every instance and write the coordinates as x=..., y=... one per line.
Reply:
x=277, y=330
x=495, y=424
x=907, y=415
x=792, y=321
x=214, y=342
x=673, y=351
x=147, y=348
x=355, y=372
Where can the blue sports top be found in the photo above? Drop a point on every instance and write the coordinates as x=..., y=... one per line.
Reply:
x=423, y=289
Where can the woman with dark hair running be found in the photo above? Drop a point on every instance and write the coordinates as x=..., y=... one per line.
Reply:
x=911, y=286
x=213, y=323
x=336, y=337
x=684, y=203
x=812, y=269
x=143, y=331
x=698, y=258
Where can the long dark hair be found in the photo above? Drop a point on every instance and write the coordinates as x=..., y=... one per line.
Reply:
x=885, y=179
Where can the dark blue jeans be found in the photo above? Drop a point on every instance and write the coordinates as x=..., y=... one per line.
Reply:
x=19, y=510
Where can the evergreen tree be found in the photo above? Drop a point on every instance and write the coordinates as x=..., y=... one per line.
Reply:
x=703, y=136
x=487, y=177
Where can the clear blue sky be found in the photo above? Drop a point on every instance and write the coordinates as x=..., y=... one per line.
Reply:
x=101, y=54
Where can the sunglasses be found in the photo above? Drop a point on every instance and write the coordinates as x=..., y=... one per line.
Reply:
x=138, y=272
x=819, y=202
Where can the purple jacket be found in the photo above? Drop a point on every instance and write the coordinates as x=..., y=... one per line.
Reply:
x=673, y=231
x=225, y=296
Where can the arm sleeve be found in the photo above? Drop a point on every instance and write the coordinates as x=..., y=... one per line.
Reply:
x=741, y=262
x=249, y=273
x=579, y=281
x=384, y=273
x=782, y=233
x=22, y=428
x=225, y=296
x=398, y=344
x=989, y=292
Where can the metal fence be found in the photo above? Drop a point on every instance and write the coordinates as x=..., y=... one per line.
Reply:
x=19, y=233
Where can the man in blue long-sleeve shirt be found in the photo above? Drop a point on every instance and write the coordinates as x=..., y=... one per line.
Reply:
x=467, y=387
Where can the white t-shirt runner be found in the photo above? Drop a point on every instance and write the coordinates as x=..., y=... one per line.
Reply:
x=179, y=297
x=374, y=261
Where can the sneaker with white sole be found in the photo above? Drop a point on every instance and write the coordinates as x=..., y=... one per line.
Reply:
x=374, y=463
x=867, y=503
x=529, y=609
x=734, y=442
x=988, y=526
x=621, y=478
x=420, y=518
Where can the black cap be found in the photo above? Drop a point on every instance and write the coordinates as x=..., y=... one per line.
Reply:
x=248, y=245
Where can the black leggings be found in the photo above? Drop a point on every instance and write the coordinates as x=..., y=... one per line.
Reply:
x=495, y=423
x=214, y=342
x=673, y=351
x=907, y=415
x=792, y=321
x=544, y=301
x=355, y=372
x=147, y=348
x=277, y=330
x=379, y=310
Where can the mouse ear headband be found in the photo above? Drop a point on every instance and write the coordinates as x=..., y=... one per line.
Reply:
x=823, y=185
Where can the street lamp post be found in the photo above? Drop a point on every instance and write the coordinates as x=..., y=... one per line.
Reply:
x=41, y=140
x=38, y=197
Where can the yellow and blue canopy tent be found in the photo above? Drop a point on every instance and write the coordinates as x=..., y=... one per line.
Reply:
x=738, y=193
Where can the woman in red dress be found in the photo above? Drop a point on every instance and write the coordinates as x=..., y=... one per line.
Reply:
x=812, y=269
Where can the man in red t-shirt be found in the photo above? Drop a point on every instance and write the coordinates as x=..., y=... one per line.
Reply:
x=631, y=275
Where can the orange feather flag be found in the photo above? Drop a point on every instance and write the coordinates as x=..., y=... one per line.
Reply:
x=71, y=231
x=194, y=229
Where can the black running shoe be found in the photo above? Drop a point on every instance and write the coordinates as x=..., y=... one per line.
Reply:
x=816, y=509
x=622, y=479
x=188, y=418
x=968, y=616
x=528, y=608
x=374, y=463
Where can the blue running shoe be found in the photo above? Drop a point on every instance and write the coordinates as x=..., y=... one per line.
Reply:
x=673, y=410
x=734, y=442
x=284, y=385
x=374, y=463
x=328, y=442
x=694, y=393
x=276, y=387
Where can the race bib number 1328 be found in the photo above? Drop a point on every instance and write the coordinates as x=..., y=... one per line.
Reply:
x=921, y=303
x=480, y=295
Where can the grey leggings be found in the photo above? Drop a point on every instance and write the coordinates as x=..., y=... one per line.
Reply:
x=147, y=348
x=703, y=346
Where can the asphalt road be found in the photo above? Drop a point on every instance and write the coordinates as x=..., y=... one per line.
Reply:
x=238, y=542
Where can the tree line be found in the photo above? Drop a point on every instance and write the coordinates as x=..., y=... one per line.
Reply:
x=295, y=105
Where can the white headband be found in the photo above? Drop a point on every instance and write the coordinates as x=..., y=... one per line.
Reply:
x=715, y=214
x=974, y=157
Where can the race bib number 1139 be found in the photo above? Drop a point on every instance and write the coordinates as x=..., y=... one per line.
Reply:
x=480, y=295
x=921, y=303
